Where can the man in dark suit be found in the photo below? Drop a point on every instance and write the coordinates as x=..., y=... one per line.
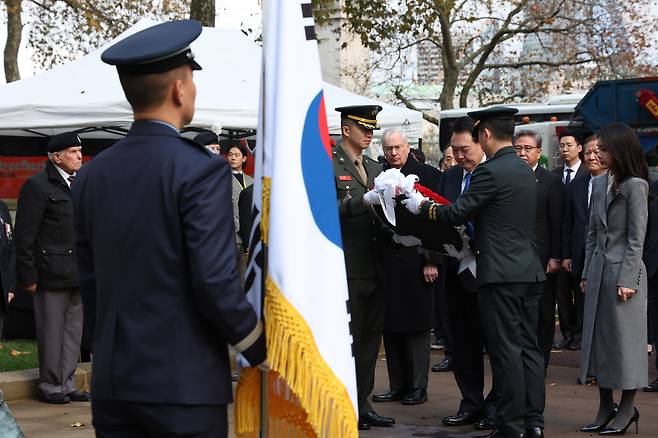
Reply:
x=408, y=280
x=46, y=267
x=463, y=306
x=502, y=201
x=7, y=262
x=156, y=245
x=574, y=229
x=571, y=151
x=548, y=234
x=650, y=258
x=355, y=174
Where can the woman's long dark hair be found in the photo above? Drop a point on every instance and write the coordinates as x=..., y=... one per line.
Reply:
x=626, y=151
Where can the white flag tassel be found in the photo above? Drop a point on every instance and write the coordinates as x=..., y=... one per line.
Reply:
x=311, y=390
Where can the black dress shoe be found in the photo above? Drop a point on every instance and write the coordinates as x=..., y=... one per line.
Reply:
x=388, y=396
x=415, y=397
x=79, y=396
x=652, y=387
x=445, y=365
x=55, y=398
x=462, y=418
x=575, y=344
x=486, y=423
x=534, y=432
x=372, y=418
x=363, y=424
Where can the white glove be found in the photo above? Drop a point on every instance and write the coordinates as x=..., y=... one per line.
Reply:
x=414, y=201
x=371, y=198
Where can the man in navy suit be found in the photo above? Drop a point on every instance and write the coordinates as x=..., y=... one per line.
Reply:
x=571, y=152
x=576, y=218
x=461, y=295
x=548, y=234
x=156, y=246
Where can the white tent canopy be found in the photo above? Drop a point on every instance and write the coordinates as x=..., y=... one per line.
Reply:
x=86, y=93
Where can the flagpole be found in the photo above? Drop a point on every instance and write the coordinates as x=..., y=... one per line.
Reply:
x=264, y=374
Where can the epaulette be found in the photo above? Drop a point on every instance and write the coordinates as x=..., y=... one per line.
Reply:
x=196, y=145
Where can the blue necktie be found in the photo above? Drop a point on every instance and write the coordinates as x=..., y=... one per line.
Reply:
x=470, y=227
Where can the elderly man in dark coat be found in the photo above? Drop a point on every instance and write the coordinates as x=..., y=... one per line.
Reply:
x=46, y=267
x=409, y=281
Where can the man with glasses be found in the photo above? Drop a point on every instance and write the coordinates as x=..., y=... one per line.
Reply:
x=462, y=304
x=410, y=278
x=550, y=196
x=574, y=229
x=570, y=151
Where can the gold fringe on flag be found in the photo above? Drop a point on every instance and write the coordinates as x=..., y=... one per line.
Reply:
x=247, y=403
x=265, y=210
x=292, y=353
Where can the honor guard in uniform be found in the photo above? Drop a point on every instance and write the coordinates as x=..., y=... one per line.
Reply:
x=501, y=201
x=355, y=174
x=157, y=257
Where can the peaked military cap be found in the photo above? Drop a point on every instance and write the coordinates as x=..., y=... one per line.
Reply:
x=206, y=138
x=63, y=141
x=158, y=49
x=494, y=113
x=364, y=115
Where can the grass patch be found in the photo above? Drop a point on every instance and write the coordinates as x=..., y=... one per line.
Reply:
x=18, y=354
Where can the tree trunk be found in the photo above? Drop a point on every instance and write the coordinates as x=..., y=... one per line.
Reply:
x=14, y=29
x=447, y=97
x=203, y=11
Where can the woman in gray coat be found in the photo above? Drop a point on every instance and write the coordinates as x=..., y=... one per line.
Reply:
x=614, y=280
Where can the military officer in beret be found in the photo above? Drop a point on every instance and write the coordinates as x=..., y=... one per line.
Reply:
x=46, y=267
x=156, y=245
x=501, y=200
x=355, y=174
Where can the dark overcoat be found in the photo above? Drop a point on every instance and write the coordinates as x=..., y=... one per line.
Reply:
x=159, y=280
x=409, y=299
x=45, y=240
x=574, y=227
x=7, y=257
x=550, y=201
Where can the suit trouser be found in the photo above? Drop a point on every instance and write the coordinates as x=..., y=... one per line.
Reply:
x=407, y=359
x=509, y=316
x=546, y=323
x=567, y=300
x=116, y=419
x=443, y=327
x=367, y=323
x=652, y=287
x=468, y=360
x=58, y=320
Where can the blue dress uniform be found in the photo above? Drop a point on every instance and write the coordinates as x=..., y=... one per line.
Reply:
x=159, y=280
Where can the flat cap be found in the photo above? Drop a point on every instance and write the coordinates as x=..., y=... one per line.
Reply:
x=63, y=141
x=158, y=49
x=364, y=115
x=206, y=138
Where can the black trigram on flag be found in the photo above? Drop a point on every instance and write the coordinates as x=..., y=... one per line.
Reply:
x=307, y=12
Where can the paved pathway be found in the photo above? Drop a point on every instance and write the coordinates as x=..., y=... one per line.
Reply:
x=568, y=407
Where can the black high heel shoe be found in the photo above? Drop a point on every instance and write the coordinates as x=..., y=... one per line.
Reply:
x=634, y=419
x=594, y=427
